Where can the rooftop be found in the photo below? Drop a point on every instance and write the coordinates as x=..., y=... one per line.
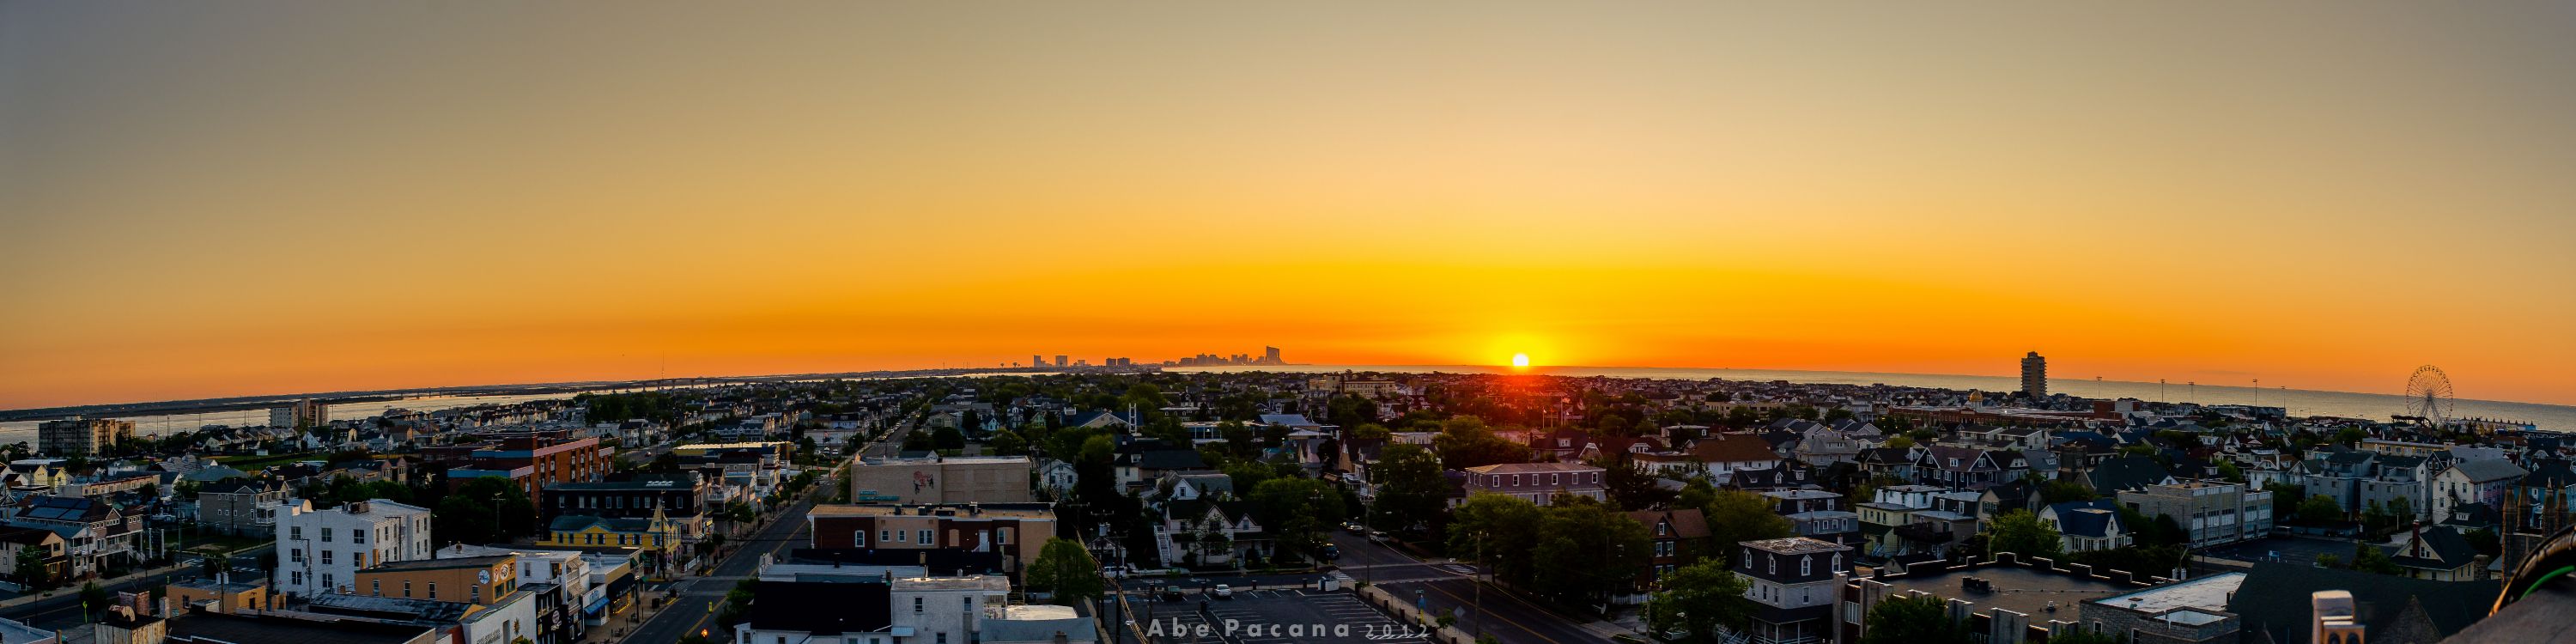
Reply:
x=1795, y=546
x=2018, y=589
x=2209, y=592
x=989, y=510
x=279, y=630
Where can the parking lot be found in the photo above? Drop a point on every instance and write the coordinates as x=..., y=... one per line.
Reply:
x=2284, y=549
x=1278, y=616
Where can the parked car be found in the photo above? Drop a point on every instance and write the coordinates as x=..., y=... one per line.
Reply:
x=1113, y=572
x=1168, y=592
x=1223, y=592
x=1331, y=553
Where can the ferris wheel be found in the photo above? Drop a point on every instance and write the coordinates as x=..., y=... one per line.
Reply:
x=2428, y=395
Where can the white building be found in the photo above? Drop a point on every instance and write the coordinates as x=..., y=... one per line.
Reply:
x=944, y=610
x=322, y=550
x=567, y=570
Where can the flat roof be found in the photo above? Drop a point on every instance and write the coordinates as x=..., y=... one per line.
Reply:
x=2208, y=593
x=1795, y=546
x=2016, y=589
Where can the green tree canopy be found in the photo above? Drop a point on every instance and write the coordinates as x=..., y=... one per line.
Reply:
x=1912, y=620
x=2020, y=532
x=1065, y=568
x=1699, y=598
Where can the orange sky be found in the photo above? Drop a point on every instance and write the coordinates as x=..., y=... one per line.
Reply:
x=214, y=200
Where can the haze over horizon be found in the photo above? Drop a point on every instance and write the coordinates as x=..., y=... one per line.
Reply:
x=202, y=201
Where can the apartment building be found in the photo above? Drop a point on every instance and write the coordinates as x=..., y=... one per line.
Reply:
x=321, y=551
x=1536, y=482
x=87, y=438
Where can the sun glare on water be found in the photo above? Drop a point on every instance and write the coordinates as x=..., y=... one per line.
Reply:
x=1520, y=360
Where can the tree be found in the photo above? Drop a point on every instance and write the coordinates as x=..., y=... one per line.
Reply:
x=1912, y=620
x=1737, y=516
x=2485, y=541
x=1899, y=441
x=1065, y=568
x=1465, y=442
x=1632, y=488
x=2077, y=635
x=1410, y=488
x=2369, y=558
x=948, y=438
x=2286, y=498
x=472, y=514
x=1699, y=598
x=1006, y=443
x=2020, y=532
x=2055, y=492
x=2320, y=509
x=93, y=598
x=1298, y=510
x=1586, y=552
x=31, y=568
x=1495, y=529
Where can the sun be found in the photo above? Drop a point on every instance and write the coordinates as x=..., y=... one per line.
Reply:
x=1520, y=360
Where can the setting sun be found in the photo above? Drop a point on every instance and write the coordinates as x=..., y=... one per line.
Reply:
x=1520, y=360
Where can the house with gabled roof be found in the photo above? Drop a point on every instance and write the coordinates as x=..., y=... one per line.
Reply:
x=2438, y=553
x=1209, y=533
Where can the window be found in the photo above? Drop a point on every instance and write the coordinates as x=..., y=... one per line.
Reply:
x=433, y=590
x=1496, y=482
x=1516, y=480
x=326, y=535
x=326, y=557
x=327, y=586
x=295, y=532
x=295, y=555
x=859, y=538
x=1555, y=479
x=1002, y=536
x=916, y=605
x=376, y=587
x=1774, y=565
x=357, y=536
x=406, y=588
x=1806, y=565
x=943, y=638
x=295, y=577
x=926, y=538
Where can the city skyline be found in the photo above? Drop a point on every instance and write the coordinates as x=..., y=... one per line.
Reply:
x=205, y=201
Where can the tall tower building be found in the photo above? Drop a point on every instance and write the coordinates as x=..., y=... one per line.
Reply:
x=2034, y=375
x=1059, y=360
x=1037, y=360
x=1270, y=355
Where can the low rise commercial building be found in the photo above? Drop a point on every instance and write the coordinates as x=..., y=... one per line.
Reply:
x=2213, y=513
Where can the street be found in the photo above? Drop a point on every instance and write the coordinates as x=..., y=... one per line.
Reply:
x=695, y=609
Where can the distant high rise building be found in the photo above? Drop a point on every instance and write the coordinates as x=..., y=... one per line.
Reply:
x=2034, y=375
x=81, y=437
x=1270, y=355
x=1060, y=360
x=301, y=413
x=1037, y=360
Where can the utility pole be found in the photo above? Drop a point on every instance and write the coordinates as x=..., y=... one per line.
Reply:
x=1480, y=585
